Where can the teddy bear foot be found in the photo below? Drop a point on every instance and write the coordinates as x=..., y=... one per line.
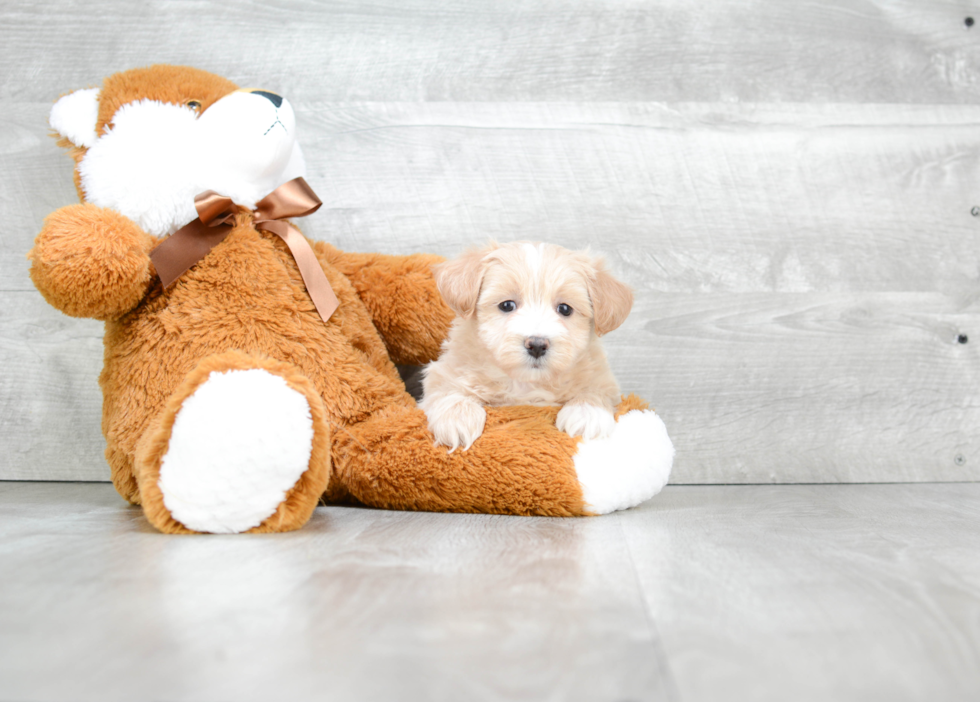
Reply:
x=240, y=448
x=626, y=468
x=238, y=444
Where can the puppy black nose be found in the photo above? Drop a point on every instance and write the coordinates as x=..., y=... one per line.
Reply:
x=536, y=346
x=271, y=97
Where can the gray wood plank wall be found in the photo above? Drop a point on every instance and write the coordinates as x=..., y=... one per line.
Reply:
x=787, y=185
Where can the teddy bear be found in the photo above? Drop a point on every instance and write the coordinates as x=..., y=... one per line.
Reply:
x=250, y=373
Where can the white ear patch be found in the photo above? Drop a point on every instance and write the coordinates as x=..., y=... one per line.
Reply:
x=75, y=115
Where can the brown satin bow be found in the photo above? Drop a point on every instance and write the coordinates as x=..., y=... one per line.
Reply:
x=189, y=244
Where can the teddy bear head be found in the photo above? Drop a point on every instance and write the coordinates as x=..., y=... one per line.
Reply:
x=150, y=139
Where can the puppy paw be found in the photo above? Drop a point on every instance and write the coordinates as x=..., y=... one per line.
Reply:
x=455, y=421
x=585, y=420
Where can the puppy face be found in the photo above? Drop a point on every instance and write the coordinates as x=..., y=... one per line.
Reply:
x=536, y=306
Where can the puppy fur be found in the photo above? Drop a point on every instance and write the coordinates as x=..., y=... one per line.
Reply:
x=529, y=318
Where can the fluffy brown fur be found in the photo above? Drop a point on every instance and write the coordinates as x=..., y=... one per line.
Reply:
x=245, y=306
x=75, y=237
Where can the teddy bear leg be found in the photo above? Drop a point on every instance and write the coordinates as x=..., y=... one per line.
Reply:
x=242, y=445
x=521, y=464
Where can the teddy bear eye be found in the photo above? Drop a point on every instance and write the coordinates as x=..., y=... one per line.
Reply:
x=194, y=105
x=564, y=310
x=507, y=306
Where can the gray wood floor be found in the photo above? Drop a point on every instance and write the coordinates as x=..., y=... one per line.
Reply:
x=848, y=592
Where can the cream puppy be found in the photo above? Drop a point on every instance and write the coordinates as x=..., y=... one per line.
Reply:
x=529, y=318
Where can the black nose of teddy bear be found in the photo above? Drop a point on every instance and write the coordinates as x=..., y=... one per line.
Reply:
x=272, y=97
x=536, y=346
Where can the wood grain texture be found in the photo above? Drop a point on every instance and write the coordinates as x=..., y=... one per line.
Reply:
x=363, y=605
x=685, y=198
x=860, y=51
x=754, y=388
x=33, y=182
x=814, y=592
x=787, y=187
x=853, y=592
x=50, y=402
x=809, y=387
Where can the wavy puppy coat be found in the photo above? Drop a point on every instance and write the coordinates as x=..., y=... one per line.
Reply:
x=529, y=318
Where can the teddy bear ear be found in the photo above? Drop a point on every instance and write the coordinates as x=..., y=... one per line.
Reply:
x=75, y=115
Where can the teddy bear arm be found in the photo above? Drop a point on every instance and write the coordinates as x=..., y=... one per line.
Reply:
x=520, y=464
x=401, y=296
x=89, y=261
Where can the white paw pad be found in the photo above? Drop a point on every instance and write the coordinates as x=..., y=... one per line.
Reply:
x=628, y=467
x=238, y=444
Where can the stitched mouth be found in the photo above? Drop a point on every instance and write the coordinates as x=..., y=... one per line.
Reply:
x=273, y=125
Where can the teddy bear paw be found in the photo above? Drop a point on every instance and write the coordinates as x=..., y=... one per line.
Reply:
x=628, y=467
x=238, y=444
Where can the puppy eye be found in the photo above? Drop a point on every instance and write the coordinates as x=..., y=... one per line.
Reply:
x=507, y=306
x=194, y=105
x=564, y=310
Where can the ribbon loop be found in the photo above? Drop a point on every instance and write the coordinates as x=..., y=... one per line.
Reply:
x=214, y=209
x=293, y=199
x=189, y=244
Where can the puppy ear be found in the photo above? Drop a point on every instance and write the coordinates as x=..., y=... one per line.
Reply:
x=75, y=115
x=459, y=280
x=611, y=299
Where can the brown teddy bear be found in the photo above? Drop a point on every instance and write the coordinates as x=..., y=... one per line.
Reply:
x=249, y=373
